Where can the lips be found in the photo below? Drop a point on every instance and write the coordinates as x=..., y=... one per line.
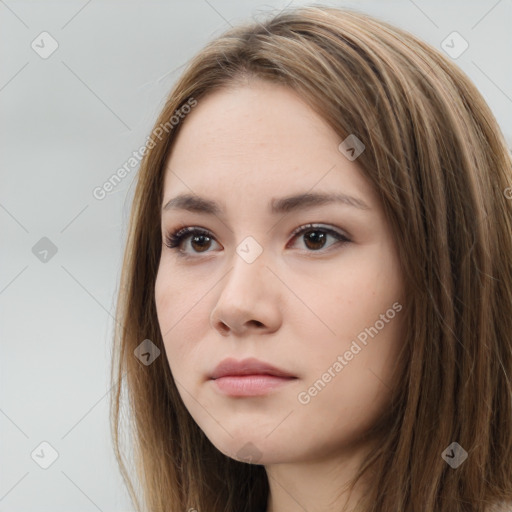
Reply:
x=251, y=366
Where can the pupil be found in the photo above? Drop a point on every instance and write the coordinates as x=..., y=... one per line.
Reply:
x=201, y=238
x=316, y=239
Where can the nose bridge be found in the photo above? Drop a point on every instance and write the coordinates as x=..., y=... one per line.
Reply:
x=248, y=266
x=246, y=289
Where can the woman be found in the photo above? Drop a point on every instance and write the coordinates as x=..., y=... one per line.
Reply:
x=270, y=370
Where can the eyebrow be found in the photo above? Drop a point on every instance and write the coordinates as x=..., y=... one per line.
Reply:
x=198, y=204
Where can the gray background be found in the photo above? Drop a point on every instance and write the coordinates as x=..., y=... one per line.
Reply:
x=68, y=123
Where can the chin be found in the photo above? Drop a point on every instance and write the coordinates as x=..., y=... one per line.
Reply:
x=253, y=449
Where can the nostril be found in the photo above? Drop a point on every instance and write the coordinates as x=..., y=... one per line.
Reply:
x=224, y=328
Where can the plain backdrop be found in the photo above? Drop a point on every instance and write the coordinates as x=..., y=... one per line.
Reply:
x=68, y=121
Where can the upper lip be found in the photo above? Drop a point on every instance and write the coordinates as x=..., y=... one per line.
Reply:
x=249, y=366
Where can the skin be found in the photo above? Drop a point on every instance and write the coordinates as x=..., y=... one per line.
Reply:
x=298, y=306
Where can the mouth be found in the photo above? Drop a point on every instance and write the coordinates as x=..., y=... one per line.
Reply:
x=248, y=377
x=250, y=385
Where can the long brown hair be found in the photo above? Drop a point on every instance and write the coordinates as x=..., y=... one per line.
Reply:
x=441, y=167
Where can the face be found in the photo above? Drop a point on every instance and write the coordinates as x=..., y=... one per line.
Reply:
x=256, y=280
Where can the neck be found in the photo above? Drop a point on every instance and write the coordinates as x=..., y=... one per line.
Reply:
x=314, y=485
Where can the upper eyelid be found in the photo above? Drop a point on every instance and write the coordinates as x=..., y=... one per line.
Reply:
x=318, y=225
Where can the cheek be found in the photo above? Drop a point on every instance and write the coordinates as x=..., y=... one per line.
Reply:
x=174, y=300
x=179, y=310
x=357, y=308
x=348, y=393
x=164, y=303
x=358, y=294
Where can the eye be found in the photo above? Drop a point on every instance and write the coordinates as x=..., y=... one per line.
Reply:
x=200, y=239
x=316, y=236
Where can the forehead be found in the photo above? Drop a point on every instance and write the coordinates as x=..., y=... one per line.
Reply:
x=251, y=120
x=258, y=138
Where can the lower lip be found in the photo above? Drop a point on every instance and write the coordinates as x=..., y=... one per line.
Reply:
x=250, y=385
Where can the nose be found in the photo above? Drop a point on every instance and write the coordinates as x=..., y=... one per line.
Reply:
x=248, y=299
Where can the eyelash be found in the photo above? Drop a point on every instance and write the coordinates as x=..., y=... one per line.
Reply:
x=175, y=239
